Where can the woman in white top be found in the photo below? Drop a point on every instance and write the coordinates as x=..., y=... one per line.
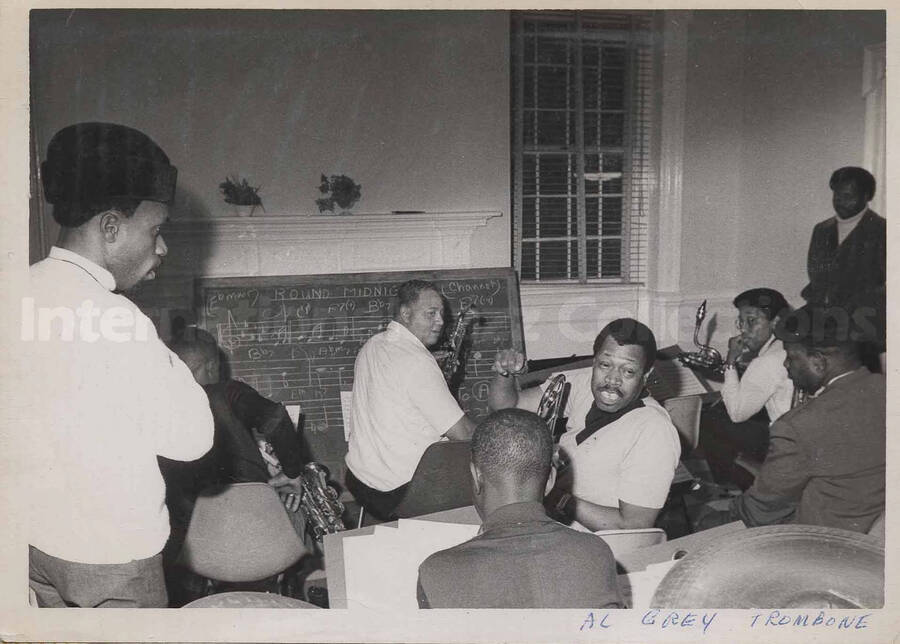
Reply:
x=760, y=356
x=755, y=379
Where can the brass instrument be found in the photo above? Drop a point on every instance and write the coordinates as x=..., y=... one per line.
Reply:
x=551, y=402
x=319, y=502
x=706, y=357
x=450, y=360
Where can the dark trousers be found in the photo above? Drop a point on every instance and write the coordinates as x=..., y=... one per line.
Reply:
x=379, y=504
x=58, y=583
x=722, y=440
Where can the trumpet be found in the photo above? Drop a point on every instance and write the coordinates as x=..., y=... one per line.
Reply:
x=319, y=502
x=450, y=359
x=706, y=357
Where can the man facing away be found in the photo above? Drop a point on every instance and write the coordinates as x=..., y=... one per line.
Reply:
x=107, y=395
x=826, y=459
x=521, y=558
x=621, y=444
x=401, y=403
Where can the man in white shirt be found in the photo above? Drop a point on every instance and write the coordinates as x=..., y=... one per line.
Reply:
x=401, y=403
x=107, y=395
x=755, y=379
x=621, y=445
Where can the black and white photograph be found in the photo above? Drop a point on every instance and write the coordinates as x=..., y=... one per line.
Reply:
x=477, y=324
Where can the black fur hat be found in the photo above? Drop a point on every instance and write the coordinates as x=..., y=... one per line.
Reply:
x=91, y=163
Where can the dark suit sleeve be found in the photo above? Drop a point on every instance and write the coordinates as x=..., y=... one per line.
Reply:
x=420, y=595
x=774, y=495
x=813, y=291
x=270, y=419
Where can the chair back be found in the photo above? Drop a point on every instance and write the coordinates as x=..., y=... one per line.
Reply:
x=685, y=414
x=240, y=532
x=442, y=480
x=620, y=541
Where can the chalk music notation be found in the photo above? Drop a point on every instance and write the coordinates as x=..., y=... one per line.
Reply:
x=310, y=361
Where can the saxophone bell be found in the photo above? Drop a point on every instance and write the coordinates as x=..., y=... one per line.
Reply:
x=319, y=502
x=705, y=357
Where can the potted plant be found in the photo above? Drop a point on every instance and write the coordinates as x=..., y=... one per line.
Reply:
x=244, y=197
x=340, y=190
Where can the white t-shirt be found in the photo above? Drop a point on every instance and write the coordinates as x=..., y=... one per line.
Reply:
x=632, y=459
x=401, y=405
x=106, y=397
x=765, y=384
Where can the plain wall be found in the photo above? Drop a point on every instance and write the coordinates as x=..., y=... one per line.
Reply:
x=774, y=106
x=414, y=106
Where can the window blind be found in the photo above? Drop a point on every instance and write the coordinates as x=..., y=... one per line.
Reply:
x=582, y=106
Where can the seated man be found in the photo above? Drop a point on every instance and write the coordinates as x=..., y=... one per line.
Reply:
x=243, y=418
x=401, y=403
x=755, y=379
x=826, y=459
x=621, y=444
x=521, y=558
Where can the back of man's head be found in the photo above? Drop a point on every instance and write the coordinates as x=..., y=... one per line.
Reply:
x=199, y=351
x=513, y=448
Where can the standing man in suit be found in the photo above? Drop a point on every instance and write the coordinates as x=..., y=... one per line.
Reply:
x=847, y=257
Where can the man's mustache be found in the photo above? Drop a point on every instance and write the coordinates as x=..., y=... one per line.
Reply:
x=614, y=390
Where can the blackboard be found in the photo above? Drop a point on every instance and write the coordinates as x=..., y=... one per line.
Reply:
x=295, y=338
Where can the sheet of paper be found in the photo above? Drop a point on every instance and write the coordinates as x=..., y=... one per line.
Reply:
x=346, y=406
x=674, y=379
x=294, y=412
x=638, y=587
x=381, y=569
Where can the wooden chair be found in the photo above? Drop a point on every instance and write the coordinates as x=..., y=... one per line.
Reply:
x=240, y=533
x=685, y=414
x=442, y=480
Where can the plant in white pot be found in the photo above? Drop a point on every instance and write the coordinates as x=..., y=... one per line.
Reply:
x=339, y=190
x=244, y=197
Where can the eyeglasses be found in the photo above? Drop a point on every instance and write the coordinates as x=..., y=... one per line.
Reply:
x=748, y=324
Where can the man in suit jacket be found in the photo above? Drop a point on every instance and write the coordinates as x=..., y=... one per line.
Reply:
x=846, y=260
x=521, y=558
x=826, y=459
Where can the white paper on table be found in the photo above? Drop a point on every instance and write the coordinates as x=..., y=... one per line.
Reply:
x=346, y=407
x=381, y=569
x=638, y=587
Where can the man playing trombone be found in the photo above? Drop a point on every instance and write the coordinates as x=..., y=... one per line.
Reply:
x=620, y=444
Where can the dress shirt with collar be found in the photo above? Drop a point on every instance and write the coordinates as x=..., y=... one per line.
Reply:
x=107, y=396
x=401, y=405
x=765, y=383
x=521, y=559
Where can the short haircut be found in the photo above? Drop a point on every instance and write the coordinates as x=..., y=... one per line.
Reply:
x=512, y=444
x=408, y=293
x=73, y=215
x=862, y=178
x=195, y=347
x=627, y=331
x=767, y=300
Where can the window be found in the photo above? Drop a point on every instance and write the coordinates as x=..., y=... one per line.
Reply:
x=582, y=175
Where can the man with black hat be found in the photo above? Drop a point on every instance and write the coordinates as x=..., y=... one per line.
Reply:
x=106, y=394
x=826, y=460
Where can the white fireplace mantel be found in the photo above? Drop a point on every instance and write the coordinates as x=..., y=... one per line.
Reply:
x=303, y=245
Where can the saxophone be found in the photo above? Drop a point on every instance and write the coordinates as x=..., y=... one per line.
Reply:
x=319, y=502
x=706, y=357
x=449, y=361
